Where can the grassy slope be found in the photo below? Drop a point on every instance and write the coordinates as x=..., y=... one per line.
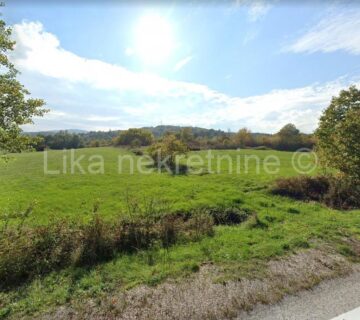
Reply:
x=238, y=250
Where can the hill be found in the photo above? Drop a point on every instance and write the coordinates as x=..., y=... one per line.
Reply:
x=53, y=132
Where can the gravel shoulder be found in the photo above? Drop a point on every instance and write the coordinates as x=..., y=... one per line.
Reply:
x=325, y=301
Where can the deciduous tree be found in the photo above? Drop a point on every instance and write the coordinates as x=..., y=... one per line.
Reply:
x=338, y=134
x=16, y=109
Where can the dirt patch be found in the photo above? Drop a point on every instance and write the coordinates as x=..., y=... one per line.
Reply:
x=201, y=298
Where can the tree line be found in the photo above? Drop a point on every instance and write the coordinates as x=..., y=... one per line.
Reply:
x=289, y=138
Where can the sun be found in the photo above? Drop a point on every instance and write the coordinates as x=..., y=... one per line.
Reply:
x=154, y=40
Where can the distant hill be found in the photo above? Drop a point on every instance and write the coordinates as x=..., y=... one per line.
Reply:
x=52, y=132
x=159, y=131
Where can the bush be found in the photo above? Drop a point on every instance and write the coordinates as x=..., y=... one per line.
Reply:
x=97, y=242
x=228, y=216
x=137, y=152
x=261, y=148
x=343, y=193
x=303, y=187
x=337, y=192
x=29, y=252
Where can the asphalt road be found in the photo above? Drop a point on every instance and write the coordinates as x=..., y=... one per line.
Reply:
x=324, y=302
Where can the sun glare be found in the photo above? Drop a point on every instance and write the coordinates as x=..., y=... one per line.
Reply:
x=154, y=41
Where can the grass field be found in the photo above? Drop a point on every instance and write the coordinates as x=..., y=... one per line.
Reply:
x=73, y=195
x=237, y=250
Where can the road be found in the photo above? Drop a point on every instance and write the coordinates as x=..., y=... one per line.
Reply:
x=326, y=301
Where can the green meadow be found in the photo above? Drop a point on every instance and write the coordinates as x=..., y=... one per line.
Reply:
x=238, y=177
x=287, y=225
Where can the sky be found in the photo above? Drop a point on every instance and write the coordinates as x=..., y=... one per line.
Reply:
x=102, y=65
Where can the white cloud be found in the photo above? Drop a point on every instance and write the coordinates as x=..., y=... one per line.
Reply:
x=258, y=9
x=269, y=112
x=92, y=94
x=182, y=63
x=40, y=51
x=339, y=31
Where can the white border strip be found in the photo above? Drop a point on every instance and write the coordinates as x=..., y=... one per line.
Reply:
x=351, y=315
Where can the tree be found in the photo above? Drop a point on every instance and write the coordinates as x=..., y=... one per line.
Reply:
x=135, y=137
x=338, y=134
x=61, y=140
x=186, y=135
x=15, y=108
x=288, y=130
x=243, y=138
x=166, y=151
x=289, y=138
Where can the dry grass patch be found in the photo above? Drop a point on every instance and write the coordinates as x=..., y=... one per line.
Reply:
x=338, y=192
x=200, y=297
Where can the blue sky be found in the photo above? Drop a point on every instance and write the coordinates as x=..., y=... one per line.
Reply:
x=256, y=64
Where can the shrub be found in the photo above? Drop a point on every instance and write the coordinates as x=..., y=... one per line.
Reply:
x=97, y=242
x=199, y=224
x=137, y=152
x=337, y=192
x=228, y=216
x=302, y=187
x=261, y=148
x=343, y=193
x=29, y=252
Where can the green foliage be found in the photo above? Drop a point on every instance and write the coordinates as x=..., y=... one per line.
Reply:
x=15, y=108
x=289, y=138
x=289, y=130
x=196, y=132
x=338, y=135
x=186, y=135
x=256, y=223
x=195, y=138
x=243, y=138
x=134, y=138
x=61, y=140
x=164, y=153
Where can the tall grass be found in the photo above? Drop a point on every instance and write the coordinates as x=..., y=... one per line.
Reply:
x=28, y=252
